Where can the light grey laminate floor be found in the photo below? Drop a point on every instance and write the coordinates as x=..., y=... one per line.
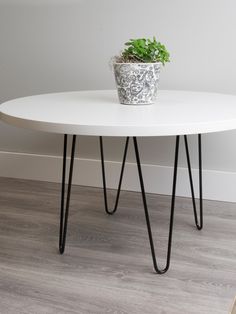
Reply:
x=107, y=266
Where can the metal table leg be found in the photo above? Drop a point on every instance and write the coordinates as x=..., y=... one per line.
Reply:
x=199, y=225
x=65, y=207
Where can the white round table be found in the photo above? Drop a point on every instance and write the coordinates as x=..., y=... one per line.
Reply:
x=98, y=113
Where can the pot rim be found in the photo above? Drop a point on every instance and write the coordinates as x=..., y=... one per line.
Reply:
x=137, y=63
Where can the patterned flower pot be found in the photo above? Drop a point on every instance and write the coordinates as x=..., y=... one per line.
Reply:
x=137, y=83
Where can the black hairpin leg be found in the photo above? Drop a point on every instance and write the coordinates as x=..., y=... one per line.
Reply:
x=65, y=207
x=157, y=269
x=110, y=212
x=199, y=224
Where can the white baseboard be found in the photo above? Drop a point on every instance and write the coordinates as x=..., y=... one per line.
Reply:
x=217, y=185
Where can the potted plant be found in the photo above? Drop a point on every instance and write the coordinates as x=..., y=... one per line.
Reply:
x=137, y=71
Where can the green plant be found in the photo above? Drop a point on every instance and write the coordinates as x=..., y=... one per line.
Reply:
x=144, y=50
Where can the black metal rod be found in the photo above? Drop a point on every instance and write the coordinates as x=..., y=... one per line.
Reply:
x=111, y=212
x=198, y=224
x=63, y=189
x=157, y=269
x=65, y=211
x=200, y=180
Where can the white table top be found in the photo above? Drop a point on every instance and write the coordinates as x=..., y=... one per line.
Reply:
x=100, y=113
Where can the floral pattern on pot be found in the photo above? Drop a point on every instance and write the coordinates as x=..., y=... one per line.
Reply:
x=137, y=83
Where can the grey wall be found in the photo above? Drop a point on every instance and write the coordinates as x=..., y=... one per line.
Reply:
x=49, y=46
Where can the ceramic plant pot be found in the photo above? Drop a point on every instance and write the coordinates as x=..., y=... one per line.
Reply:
x=137, y=83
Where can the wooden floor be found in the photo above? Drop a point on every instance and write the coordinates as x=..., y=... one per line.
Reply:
x=107, y=266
